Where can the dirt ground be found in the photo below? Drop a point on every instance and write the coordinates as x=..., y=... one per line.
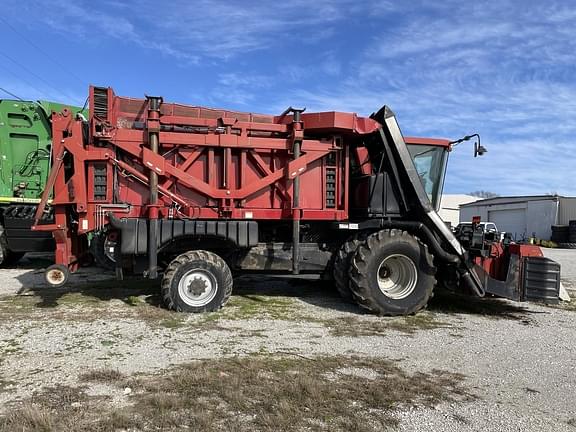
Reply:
x=284, y=354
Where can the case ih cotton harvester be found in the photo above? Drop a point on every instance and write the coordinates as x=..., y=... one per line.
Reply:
x=197, y=194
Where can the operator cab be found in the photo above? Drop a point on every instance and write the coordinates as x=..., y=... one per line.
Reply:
x=430, y=158
x=372, y=193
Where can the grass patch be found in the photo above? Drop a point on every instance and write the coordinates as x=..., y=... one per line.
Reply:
x=96, y=295
x=250, y=306
x=102, y=300
x=379, y=326
x=254, y=298
x=59, y=398
x=104, y=375
x=172, y=322
x=30, y=417
x=11, y=346
x=257, y=393
x=6, y=385
x=107, y=343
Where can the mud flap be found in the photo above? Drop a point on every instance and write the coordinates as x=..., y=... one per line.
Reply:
x=528, y=279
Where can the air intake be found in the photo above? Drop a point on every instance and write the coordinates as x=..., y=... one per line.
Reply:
x=101, y=102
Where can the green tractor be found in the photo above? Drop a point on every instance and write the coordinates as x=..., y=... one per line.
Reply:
x=25, y=154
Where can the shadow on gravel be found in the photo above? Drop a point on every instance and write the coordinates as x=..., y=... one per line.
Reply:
x=90, y=291
x=92, y=284
x=310, y=290
x=491, y=307
x=33, y=261
x=323, y=294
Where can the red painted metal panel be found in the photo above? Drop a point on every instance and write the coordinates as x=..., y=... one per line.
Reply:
x=211, y=164
x=526, y=250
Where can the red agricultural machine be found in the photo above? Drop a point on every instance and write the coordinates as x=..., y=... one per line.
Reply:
x=196, y=194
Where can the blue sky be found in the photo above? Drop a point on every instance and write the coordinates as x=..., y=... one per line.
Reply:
x=505, y=69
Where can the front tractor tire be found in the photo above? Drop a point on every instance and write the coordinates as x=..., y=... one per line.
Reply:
x=197, y=281
x=392, y=273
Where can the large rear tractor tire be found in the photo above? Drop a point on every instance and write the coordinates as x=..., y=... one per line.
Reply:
x=342, y=261
x=392, y=273
x=197, y=281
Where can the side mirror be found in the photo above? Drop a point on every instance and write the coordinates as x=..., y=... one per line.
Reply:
x=479, y=149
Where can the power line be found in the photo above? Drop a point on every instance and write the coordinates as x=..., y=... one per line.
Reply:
x=11, y=94
x=32, y=44
x=28, y=83
x=34, y=74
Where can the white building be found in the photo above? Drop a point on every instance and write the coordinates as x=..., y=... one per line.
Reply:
x=450, y=207
x=523, y=216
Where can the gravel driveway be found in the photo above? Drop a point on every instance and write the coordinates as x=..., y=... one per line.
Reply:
x=517, y=361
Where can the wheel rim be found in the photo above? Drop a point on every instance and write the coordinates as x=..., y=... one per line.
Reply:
x=197, y=287
x=55, y=276
x=397, y=276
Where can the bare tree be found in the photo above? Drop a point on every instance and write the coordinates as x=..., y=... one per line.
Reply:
x=484, y=194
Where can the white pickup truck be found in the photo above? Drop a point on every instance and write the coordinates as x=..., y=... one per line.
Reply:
x=487, y=227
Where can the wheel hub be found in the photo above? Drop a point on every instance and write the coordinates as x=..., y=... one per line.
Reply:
x=197, y=287
x=55, y=276
x=397, y=276
x=384, y=272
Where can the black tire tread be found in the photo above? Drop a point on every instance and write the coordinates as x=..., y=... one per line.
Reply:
x=7, y=257
x=359, y=279
x=97, y=251
x=342, y=261
x=195, y=255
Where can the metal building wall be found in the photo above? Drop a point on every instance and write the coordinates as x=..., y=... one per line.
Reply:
x=540, y=216
x=536, y=218
x=468, y=212
x=566, y=211
x=450, y=206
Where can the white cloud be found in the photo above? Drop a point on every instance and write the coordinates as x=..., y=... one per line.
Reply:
x=504, y=69
x=506, y=73
x=189, y=30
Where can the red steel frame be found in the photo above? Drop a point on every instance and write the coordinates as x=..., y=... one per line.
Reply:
x=212, y=164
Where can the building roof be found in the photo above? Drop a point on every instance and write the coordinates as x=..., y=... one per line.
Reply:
x=513, y=199
x=454, y=201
